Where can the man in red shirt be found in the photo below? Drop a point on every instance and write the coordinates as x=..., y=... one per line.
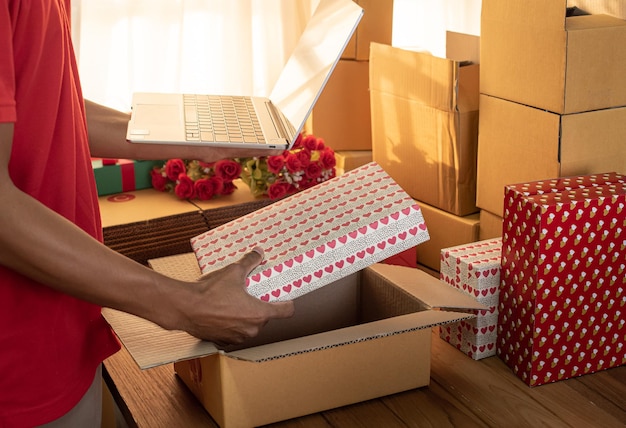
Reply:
x=55, y=273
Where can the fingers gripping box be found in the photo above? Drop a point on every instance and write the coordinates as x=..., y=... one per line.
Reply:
x=562, y=299
x=474, y=268
x=319, y=235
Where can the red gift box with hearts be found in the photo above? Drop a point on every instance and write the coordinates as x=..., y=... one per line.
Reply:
x=475, y=269
x=319, y=235
x=562, y=298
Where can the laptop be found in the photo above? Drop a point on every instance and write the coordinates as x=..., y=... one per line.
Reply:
x=248, y=121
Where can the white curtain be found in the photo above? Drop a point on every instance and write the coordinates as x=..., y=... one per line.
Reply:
x=219, y=46
x=422, y=24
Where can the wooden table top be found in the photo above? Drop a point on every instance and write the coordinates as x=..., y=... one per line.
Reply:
x=462, y=393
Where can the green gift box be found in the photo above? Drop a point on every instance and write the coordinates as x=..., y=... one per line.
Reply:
x=122, y=175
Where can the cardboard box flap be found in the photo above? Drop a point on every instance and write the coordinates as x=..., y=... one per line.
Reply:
x=431, y=291
x=438, y=87
x=368, y=331
x=468, y=97
x=150, y=345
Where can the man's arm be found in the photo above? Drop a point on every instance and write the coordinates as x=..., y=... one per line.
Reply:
x=107, y=139
x=43, y=245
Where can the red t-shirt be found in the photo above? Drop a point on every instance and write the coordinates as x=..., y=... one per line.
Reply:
x=50, y=343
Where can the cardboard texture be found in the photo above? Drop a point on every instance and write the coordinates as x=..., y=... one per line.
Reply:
x=341, y=115
x=374, y=339
x=348, y=160
x=319, y=235
x=148, y=224
x=562, y=299
x=532, y=54
x=425, y=125
x=490, y=226
x=554, y=146
x=122, y=175
x=475, y=269
x=445, y=230
x=376, y=26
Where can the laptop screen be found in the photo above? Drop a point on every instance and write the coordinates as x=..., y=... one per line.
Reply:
x=310, y=65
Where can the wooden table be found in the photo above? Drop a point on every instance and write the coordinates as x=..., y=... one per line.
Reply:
x=462, y=393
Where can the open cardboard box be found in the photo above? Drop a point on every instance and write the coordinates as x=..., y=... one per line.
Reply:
x=364, y=336
x=425, y=121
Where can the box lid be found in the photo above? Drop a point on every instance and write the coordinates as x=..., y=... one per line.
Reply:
x=319, y=235
x=151, y=346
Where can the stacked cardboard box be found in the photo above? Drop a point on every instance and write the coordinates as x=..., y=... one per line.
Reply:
x=553, y=99
x=341, y=115
x=425, y=133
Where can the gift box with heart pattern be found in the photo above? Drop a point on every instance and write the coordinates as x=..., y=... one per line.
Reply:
x=319, y=235
x=475, y=269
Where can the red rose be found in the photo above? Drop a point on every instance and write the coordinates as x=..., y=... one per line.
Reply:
x=174, y=167
x=158, y=179
x=313, y=171
x=206, y=188
x=327, y=159
x=184, y=187
x=307, y=182
x=298, y=142
x=310, y=142
x=321, y=144
x=205, y=166
x=278, y=190
x=293, y=163
x=304, y=156
x=227, y=169
x=229, y=187
x=275, y=164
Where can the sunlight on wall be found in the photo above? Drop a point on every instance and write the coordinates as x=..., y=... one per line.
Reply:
x=422, y=24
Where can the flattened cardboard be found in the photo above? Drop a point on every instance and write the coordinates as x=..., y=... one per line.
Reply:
x=554, y=146
x=425, y=125
x=532, y=54
x=319, y=235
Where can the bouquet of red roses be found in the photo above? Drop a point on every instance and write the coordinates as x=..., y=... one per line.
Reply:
x=306, y=164
x=193, y=179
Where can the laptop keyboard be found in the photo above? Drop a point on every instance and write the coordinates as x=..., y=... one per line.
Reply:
x=221, y=118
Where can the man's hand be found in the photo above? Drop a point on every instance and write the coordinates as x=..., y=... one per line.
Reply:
x=221, y=310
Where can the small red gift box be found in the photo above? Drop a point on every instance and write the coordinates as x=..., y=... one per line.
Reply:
x=562, y=299
x=475, y=269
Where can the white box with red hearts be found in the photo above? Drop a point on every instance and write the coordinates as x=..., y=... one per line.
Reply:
x=319, y=235
x=475, y=269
